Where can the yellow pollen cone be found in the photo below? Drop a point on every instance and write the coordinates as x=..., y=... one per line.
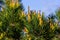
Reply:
x=26, y=30
x=51, y=26
x=17, y=3
x=29, y=18
x=40, y=21
x=12, y=4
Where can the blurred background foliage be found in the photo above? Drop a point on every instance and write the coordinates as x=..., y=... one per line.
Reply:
x=15, y=24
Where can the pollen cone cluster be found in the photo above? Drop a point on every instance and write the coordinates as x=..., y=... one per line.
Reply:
x=29, y=18
x=40, y=19
x=17, y=3
x=23, y=14
x=34, y=13
x=2, y=35
x=51, y=26
x=14, y=3
x=29, y=14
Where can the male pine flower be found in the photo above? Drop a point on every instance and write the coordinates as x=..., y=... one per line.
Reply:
x=40, y=18
x=12, y=4
x=51, y=26
x=23, y=14
x=39, y=15
x=40, y=21
x=17, y=3
x=29, y=17
x=30, y=38
x=26, y=30
x=1, y=36
x=34, y=12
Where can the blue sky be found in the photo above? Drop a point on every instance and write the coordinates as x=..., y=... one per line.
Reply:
x=47, y=6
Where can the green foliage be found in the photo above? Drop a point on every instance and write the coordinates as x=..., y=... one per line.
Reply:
x=16, y=25
x=58, y=14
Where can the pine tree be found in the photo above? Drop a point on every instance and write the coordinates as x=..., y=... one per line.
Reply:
x=16, y=25
x=11, y=23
